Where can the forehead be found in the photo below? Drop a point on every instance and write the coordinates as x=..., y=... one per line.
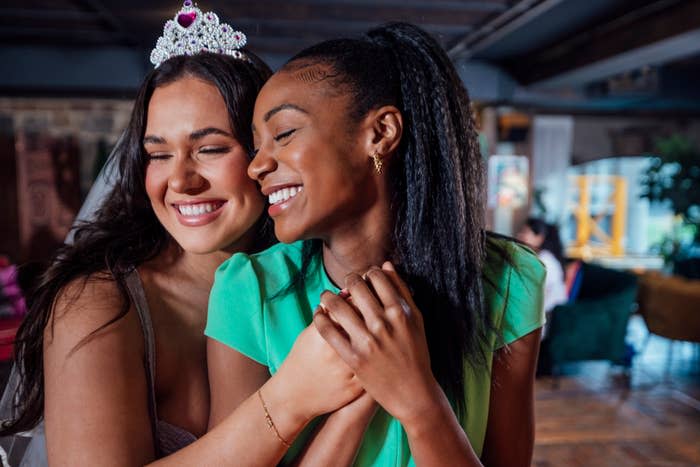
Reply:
x=309, y=87
x=187, y=98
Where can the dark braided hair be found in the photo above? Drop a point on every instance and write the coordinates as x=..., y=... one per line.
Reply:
x=436, y=183
x=126, y=232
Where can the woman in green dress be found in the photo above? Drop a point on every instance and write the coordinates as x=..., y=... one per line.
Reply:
x=368, y=154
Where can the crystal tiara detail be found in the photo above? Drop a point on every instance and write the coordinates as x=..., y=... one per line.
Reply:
x=192, y=32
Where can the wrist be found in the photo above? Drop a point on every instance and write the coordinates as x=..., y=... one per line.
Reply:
x=427, y=412
x=361, y=409
x=286, y=411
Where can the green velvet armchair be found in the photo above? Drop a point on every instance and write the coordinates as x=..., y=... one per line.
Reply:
x=593, y=325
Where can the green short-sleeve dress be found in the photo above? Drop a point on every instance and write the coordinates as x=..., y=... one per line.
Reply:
x=247, y=312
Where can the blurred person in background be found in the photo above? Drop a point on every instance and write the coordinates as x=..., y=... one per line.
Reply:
x=545, y=240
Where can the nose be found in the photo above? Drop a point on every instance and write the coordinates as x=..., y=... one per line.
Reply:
x=262, y=164
x=185, y=178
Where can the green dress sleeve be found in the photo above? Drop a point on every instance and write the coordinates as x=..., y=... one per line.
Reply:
x=235, y=316
x=524, y=304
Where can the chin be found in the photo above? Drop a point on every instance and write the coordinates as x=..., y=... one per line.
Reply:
x=199, y=250
x=288, y=235
x=198, y=247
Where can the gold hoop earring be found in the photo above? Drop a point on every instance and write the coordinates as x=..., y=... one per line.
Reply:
x=378, y=164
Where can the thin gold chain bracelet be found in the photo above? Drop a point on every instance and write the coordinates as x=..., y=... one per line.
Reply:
x=270, y=423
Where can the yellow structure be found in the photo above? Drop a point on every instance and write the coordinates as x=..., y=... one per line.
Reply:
x=591, y=239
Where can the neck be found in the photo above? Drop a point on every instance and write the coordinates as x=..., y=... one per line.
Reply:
x=359, y=244
x=200, y=268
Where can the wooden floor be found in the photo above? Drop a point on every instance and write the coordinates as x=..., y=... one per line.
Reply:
x=600, y=417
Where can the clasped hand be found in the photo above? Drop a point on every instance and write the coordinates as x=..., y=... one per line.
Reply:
x=378, y=331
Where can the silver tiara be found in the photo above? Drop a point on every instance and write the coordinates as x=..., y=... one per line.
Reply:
x=192, y=32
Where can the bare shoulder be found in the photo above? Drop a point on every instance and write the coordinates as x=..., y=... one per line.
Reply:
x=90, y=309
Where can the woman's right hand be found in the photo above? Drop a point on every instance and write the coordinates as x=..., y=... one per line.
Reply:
x=316, y=380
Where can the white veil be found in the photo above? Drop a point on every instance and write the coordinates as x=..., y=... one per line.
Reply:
x=100, y=189
x=28, y=449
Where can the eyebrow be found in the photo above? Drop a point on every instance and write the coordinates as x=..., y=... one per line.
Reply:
x=194, y=136
x=281, y=107
x=151, y=139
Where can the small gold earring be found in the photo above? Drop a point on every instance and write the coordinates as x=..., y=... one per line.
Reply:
x=378, y=164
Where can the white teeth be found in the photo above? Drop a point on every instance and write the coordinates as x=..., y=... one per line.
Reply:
x=196, y=209
x=284, y=194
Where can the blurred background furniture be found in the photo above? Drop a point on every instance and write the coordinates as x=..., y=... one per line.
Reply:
x=688, y=268
x=670, y=306
x=593, y=325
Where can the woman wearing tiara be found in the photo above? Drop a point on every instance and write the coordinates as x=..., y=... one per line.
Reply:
x=112, y=357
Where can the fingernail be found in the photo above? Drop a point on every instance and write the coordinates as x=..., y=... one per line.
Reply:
x=344, y=293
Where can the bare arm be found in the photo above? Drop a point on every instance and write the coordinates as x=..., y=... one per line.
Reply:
x=338, y=438
x=511, y=422
x=312, y=381
x=232, y=379
x=243, y=438
x=511, y=410
x=95, y=394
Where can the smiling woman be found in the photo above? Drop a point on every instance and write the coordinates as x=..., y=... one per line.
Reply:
x=115, y=327
x=196, y=176
x=376, y=139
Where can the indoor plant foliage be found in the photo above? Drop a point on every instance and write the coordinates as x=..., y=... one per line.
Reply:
x=673, y=176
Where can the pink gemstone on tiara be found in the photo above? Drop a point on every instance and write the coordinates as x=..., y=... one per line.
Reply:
x=186, y=19
x=192, y=31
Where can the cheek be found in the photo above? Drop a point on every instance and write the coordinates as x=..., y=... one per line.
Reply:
x=234, y=176
x=155, y=183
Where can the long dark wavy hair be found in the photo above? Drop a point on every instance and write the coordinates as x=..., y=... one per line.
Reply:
x=125, y=232
x=436, y=183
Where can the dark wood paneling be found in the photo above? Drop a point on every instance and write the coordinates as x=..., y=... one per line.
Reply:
x=9, y=226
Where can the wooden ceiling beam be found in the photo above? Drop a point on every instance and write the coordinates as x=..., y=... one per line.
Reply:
x=306, y=11
x=325, y=29
x=484, y=6
x=636, y=31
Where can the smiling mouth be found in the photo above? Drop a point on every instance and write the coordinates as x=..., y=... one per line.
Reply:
x=195, y=210
x=284, y=194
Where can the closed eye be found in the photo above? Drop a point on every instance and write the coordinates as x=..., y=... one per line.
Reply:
x=215, y=150
x=158, y=156
x=284, y=135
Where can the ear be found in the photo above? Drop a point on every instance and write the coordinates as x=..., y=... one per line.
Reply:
x=385, y=126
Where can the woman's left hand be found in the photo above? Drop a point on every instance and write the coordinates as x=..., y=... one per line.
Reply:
x=384, y=344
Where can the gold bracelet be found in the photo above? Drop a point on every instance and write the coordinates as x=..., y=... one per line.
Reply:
x=270, y=423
